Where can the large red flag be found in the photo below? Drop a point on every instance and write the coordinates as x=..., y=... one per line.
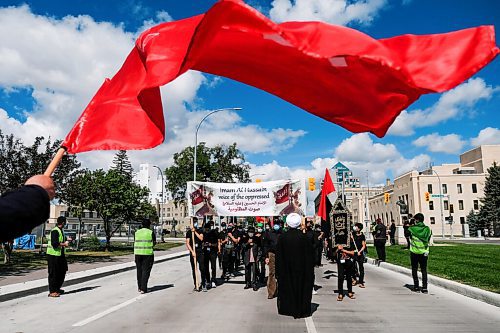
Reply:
x=334, y=72
x=326, y=191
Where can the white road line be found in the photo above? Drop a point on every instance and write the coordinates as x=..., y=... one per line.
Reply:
x=310, y=325
x=108, y=311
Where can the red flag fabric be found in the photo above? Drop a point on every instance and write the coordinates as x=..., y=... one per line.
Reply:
x=327, y=188
x=333, y=72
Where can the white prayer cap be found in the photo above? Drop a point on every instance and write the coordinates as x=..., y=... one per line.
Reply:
x=293, y=220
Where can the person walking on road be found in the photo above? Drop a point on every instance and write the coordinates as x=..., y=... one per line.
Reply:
x=144, y=241
x=211, y=250
x=419, y=251
x=392, y=233
x=294, y=270
x=270, y=242
x=380, y=237
x=360, y=247
x=56, y=258
x=345, y=271
x=250, y=259
x=194, y=251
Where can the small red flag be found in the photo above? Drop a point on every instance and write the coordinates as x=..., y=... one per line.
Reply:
x=334, y=72
x=327, y=189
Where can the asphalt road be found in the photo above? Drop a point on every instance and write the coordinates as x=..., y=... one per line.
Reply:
x=112, y=304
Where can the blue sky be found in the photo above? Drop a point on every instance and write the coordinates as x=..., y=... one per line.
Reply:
x=69, y=47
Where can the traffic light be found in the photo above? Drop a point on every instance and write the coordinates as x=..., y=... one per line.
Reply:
x=386, y=198
x=312, y=184
x=427, y=196
x=258, y=180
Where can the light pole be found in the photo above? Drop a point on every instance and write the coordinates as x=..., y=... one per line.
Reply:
x=196, y=134
x=162, y=199
x=441, y=201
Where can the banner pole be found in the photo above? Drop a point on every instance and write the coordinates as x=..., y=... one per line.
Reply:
x=55, y=162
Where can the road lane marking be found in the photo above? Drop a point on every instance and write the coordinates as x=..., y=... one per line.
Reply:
x=108, y=311
x=310, y=325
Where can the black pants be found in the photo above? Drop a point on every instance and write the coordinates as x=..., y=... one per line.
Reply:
x=393, y=239
x=144, y=264
x=318, y=252
x=380, y=247
x=407, y=242
x=261, y=268
x=360, y=261
x=58, y=266
x=193, y=272
x=416, y=260
x=251, y=274
x=228, y=261
x=200, y=257
x=345, y=271
x=210, y=264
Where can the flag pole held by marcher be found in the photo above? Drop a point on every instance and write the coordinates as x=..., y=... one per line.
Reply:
x=55, y=162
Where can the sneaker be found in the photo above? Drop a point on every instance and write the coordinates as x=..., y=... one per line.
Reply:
x=315, y=292
x=255, y=288
x=204, y=289
x=424, y=291
x=214, y=285
x=415, y=289
x=247, y=286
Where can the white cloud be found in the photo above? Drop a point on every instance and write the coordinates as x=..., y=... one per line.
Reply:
x=340, y=12
x=160, y=17
x=487, y=136
x=453, y=104
x=63, y=62
x=450, y=144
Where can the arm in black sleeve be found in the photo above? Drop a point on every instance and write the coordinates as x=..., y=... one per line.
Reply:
x=54, y=239
x=154, y=239
x=21, y=210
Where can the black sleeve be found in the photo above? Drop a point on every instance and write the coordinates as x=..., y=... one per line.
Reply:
x=154, y=238
x=21, y=210
x=54, y=239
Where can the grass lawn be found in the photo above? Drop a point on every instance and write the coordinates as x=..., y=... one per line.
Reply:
x=477, y=265
x=24, y=261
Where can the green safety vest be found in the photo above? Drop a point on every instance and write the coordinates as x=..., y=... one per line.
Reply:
x=50, y=250
x=143, y=244
x=417, y=246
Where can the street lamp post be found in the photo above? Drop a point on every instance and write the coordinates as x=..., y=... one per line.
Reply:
x=162, y=199
x=441, y=202
x=196, y=135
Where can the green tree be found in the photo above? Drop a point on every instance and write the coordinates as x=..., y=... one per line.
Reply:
x=122, y=164
x=219, y=164
x=12, y=164
x=489, y=213
x=475, y=223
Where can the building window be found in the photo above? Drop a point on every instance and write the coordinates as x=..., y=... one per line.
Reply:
x=433, y=220
x=431, y=205
x=62, y=213
x=459, y=188
x=476, y=204
x=460, y=204
x=445, y=188
x=445, y=204
x=429, y=188
x=462, y=220
x=91, y=215
x=474, y=188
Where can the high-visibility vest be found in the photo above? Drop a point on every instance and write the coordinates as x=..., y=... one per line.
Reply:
x=143, y=244
x=417, y=246
x=57, y=251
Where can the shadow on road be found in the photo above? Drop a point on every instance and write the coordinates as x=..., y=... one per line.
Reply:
x=160, y=287
x=79, y=290
x=314, y=307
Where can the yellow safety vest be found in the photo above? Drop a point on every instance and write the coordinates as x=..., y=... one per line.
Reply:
x=143, y=244
x=50, y=250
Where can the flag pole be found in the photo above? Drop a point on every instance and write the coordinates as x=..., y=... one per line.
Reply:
x=55, y=162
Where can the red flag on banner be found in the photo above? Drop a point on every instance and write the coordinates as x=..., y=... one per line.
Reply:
x=334, y=72
x=326, y=191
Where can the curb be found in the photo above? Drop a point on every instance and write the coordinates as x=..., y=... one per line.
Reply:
x=459, y=288
x=17, y=290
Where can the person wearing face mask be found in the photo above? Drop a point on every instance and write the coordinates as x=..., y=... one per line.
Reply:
x=261, y=264
x=210, y=250
x=250, y=258
x=269, y=242
x=360, y=246
x=195, y=251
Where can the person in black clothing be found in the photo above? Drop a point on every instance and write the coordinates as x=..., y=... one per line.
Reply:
x=195, y=251
x=345, y=271
x=269, y=242
x=407, y=233
x=318, y=245
x=210, y=251
x=360, y=246
x=56, y=258
x=23, y=209
x=261, y=264
x=380, y=237
x=327, y=236
x=392, y=233
x=228, y=244
x=250, y=258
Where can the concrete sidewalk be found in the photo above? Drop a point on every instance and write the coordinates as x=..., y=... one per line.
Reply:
x=459, y=288
x=36, y=281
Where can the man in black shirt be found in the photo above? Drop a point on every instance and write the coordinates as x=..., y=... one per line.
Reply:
x=345, y=270
x=56, y=258
x=210, y=251
x=392, y=232
x=250, y=258
x=269, y=242
x=380, y=237
x=360, y=246
x=196, y=250
x=23, y=209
